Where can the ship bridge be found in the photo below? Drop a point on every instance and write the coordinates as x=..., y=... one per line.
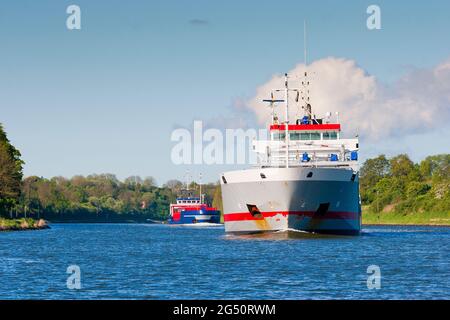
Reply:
x=306, y=131
x=188, y=200
x=188, y=197
x=311, y=141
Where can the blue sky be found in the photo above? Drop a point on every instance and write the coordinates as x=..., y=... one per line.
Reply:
x=107, y=97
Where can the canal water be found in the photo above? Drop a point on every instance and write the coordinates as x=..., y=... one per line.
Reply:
x=143, y=261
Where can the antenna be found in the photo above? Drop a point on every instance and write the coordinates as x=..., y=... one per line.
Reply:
x=305, y=82
x=304, y=42
x=286, y=125
x=272, y=102
x=187, y=180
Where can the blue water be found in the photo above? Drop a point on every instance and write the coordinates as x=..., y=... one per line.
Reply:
x=137, y=261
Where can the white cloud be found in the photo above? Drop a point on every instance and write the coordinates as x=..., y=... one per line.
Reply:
x=418, y=102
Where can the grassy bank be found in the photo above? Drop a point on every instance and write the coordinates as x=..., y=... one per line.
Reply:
x=22, y=224
x=417, y=218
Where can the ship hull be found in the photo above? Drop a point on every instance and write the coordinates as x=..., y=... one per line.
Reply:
x=196, y=217
x=317, y=200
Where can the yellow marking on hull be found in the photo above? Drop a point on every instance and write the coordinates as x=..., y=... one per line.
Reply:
x=262, y=224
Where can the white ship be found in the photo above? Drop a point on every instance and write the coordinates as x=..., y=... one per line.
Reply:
x=306, y=178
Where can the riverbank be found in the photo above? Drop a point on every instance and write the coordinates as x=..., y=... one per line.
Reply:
x=417, y=218
x=22, y=224
x=368, y=218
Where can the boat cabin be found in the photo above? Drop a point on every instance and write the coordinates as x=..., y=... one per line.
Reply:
x=319, y=131
x=188, y=200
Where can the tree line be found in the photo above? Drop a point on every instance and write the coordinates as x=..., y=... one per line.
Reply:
x=402, y=186
x=396, y=184
x=101, y=197
x=97, y=197
x=11, y=173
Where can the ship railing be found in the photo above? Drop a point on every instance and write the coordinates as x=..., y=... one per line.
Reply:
x=328, y=164
x=273, y=153
x=307, y=145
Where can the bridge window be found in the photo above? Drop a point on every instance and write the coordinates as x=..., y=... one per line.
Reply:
x=279, y=136
x=315, y=135
x=295, y=136
x=305, y=136
x=310, y=136
x=329, y=135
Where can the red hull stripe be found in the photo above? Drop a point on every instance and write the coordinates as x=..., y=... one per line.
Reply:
x=191, y=208
x=307, y=127
x=242, y=216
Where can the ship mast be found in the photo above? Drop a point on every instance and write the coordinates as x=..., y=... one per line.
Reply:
x=286, y=129
x=272, y=102
x=305, y=82
x=286, y=89
x=187, y=180
x=304, y=41
x=200, y=186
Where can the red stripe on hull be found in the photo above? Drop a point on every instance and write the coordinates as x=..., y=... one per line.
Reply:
x=194, y=208
x=242, y=216
x=305, y=127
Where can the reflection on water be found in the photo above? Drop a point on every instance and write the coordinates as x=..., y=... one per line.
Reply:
x=136, y=261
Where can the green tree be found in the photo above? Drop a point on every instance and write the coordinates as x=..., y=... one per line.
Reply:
x=416, y=188
x=149, y=183
x=401, y=165
x=10, y=174
x=373, y=170
x=217, y=199
x=174, y=185
x=437, y=167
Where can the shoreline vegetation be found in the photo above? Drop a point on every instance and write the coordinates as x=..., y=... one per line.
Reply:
x=401, y=192
x=410, y=219
x=22, y=224
x=393, y=219
x=393, y=191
